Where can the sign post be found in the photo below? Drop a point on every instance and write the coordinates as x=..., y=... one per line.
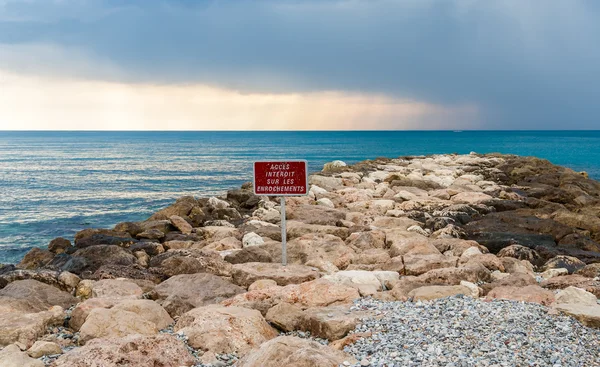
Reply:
x=281, y=178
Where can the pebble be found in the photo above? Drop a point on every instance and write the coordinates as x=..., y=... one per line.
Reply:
x=462, y=331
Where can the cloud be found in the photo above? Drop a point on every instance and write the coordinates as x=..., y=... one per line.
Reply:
x=522, y=64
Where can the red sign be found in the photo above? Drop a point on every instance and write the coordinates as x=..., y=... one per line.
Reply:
x=280, y=178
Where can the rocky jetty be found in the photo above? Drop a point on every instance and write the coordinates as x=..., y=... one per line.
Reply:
x=444, y=260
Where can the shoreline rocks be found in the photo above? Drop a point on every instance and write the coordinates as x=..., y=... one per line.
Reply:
x=436, y=239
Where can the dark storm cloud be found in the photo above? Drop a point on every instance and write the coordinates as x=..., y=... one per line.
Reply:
x=526, y=64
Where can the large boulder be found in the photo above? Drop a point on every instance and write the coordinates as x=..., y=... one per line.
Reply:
x=191, y=261
x=362, y=241
x=315, y=214
x=94, y=257
x=35, y=258
x=83, y=309
x=364, y=281
x=148, y=310
x=562, y=282
x=530, y=293
x=64, y=281
x=59, y=245
x=221, y=329
x=247, y=273
x=577, y=296
x=572, y=264
x=182, y=293
x=26, y=328
x=132, y=350
x=417, y=264
x=108, y=323
x=521, y=253
x=431, y=292
x=297, y=229
x=38, y=295
x=453, y=276
x=11, y=356
x=512, y=280
x=291, y=351
x=330, y=323
x=249, y=255
x=116, y=288
x=285, y=316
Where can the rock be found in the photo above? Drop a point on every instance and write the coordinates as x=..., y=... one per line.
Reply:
x=530, y=293
x=455, y=246
x=95, y=256
x=511, y=280
x=284, y=316
x=496, y=241
x=413, y=245
x=572, y=264
x=372, y=257
x=61, y=280
x=216, y=203
x=117, y=239
x=578, y=220
x=252, y=239
x=133, y=350
x=326, y=203
x=182, y=293
x=26, y=328
x=11, y=356
x=364, y=281
x=475, y=290
x=490, y=261
x=109, y=323
x=512, y=265
x=297, y=229
x=333, y=166
x=363, y=241
x=249, y=255
x=262, y=284
x=590, y=271
x=38, y=295
x=350, y=339
x=128, y=227
x=84, y=289
x=246, y=274
x=70, y=280
x=224, y=329
x=42, y=348
x=417, y=264
x=471, y=198
x=453, y=276
x=327, y=183
x=116, y=288
x=35, y=258
x=150, y=248
x=562, y=282
x=294, y=352
x=316, y=293
x=83, y=309
x=148, y=310
x=315, y=214
x=551, y=273
x=428, y=293
x=470, y=252
x=151, y=234
x=576, y=296
x=181, y=224
x=228, y=243
x=176, y=262
x=587, y=315
x=330, y=323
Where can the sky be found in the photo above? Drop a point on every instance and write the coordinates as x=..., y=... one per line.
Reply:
x=299, y=64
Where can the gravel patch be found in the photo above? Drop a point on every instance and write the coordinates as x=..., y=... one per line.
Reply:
x=461, y=331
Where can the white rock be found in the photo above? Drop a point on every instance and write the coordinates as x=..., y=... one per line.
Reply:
x=317, y=192
x=551, y=273
x=573, y=295
x=325, y=202
x=252, y=239
x=472, y=286
x=331, y=166
x=217, y=203
x=470, y=252
x=415, y=228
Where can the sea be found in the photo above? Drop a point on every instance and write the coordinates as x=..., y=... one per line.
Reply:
x=55, y=183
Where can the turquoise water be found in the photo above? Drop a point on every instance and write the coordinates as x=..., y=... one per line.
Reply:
x=57, y=183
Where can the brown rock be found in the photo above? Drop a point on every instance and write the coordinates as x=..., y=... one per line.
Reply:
x=83, y=309
x=133, y=350
x=116, y=288
x=572, y=264
x=473, y=273
x=315, y=214
x=431, y=292
x=11, y=356
x=521, y=253
x=35, y=258
x=372, y=256
x=148, y=310
x=248, y=273
x=26, y=328
x=285, y=316
x=330, y=323
x=590, y=271
x=350, y=339
x=109, y=323
x=96, y=256
x=42, y=348
x=587, y=315
x=182, y=293
x=530, y=293
x=181, y=224
x=417, y=264
x=249, y=254
x=59, y=245
x=362, y=241
x=490, y=261
x=291, y=351
x=561, y=282
x=513, y=280
x=455, y=246
x=224, y=329
x=38, y=295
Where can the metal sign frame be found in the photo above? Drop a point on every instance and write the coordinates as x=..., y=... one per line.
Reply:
x=282, y=196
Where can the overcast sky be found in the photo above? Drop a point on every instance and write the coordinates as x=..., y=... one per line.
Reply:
x=299, y=64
